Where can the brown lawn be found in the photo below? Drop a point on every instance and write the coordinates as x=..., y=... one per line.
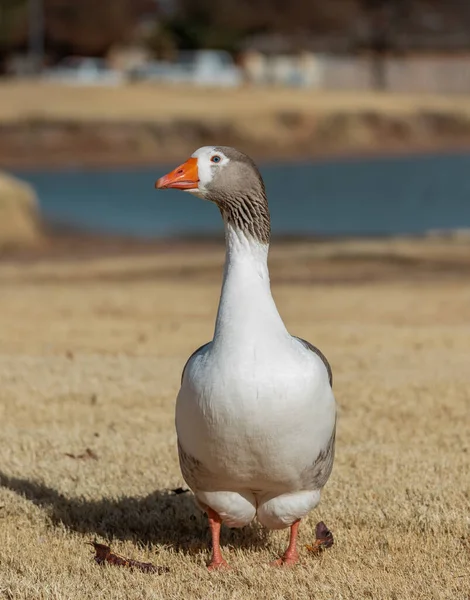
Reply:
x=91, y=353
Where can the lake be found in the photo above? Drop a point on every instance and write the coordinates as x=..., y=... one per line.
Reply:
x=373, y=196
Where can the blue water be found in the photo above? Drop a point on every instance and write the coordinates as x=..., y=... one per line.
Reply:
x=354, y=197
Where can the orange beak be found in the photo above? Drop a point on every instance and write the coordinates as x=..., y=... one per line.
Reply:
x=184, y=177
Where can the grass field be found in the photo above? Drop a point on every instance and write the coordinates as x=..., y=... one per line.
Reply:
x=91, y=353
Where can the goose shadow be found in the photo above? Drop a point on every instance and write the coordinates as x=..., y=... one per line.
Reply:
x=162, y=517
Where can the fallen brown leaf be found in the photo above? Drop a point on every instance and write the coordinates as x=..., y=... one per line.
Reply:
x=88, y=454
x=324, y=539
x=180, y=490
x=465, y=541
x=103, y=555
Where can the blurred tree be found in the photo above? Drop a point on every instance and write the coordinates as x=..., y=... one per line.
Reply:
x=161, y=42
x=379, y=26
x=12, y=18
x=197, y=23
x=203, y=23
x=74, y=26
x=90, y=27
x=13, y=26
x=290, y=17
x=383, y=20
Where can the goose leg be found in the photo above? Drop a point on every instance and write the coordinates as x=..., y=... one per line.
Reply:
x=291, y=555
x=215, y=523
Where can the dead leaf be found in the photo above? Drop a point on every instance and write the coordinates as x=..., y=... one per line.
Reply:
x=180, y=490
x=103, y=555
x=465, y=541
x=324, y=539
x=88, y=454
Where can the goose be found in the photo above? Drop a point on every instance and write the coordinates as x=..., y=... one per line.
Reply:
x=255, y=414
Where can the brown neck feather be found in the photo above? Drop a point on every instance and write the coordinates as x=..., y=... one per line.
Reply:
x=247, y=212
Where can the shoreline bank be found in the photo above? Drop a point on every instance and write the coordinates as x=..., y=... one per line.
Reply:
x=52, y=126
x=53, y=146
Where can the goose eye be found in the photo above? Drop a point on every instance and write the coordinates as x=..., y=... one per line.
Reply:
x=216, y=158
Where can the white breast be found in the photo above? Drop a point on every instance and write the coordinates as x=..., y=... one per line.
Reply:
x=256, y=418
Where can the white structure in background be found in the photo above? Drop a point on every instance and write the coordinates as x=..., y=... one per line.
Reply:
x=413, y=73
x=77, y=70
x=214, y=67
x=201, y=67
x=304, y=69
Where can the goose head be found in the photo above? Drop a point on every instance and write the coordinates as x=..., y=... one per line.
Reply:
x=231, y=180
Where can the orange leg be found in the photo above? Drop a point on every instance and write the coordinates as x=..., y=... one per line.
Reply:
x=215, y=523
x=290, y=556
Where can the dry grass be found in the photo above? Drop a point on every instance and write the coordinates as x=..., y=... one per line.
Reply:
x=147, y=102
x=90, y=357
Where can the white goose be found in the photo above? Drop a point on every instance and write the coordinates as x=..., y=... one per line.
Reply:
x=255, y=415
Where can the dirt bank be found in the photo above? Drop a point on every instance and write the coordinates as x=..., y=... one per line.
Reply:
x=20, y=224
x=45, y=125
x=290, y=137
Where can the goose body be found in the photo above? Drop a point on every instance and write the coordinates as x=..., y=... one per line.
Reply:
x=255, y=414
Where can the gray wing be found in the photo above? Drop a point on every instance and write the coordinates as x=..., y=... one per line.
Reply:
x=316, y=476
x=318, y=352
x=192, y=469
x=195, y=474
x=192, y=355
